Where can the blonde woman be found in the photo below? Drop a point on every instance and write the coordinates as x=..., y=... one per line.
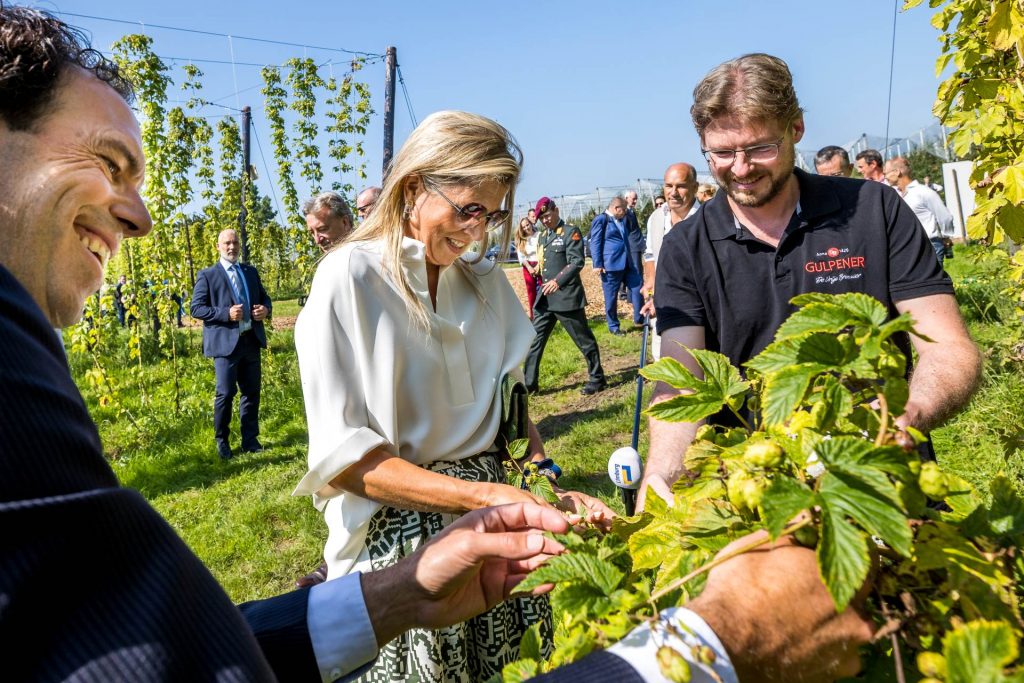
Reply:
x=526, y=248
x=402, y=348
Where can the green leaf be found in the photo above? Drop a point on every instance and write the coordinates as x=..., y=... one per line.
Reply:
x=571, y=644
x=784, y=500
x=864, y=308
x=1011, y=220
x=837, y=401
x=854, y=455
x=575, y=568
x=685, y=408
x=711, y=516
x=776, y=356
x=1006, y=513
x=980, y=585
x=530, y=644
x=624, y=527
x=1001, y=30
x=842, y=556
x=658, y=544
x=897, y=392
x=816, y=317
x=822, y=349
x=868, y=499
x=520, y=670
x=783, y=392
x=977, y=652
x=541, y=487
x=904, y=323
x=671, y=372
x=517, y=449
x=581, y=601
x=963, y=498
x=722, y=385
x=720, y=374
x=1012, y=179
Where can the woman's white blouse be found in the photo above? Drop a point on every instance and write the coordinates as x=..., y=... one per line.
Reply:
x=528, y=254
x=371, y=378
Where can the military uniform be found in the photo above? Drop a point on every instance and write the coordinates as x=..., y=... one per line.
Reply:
x=560, y=256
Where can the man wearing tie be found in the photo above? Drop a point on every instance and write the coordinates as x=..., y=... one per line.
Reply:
x=609, y=250
x=230, y=300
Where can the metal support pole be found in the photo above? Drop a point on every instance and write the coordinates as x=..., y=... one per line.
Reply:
x=246, y=150
x=390, y=60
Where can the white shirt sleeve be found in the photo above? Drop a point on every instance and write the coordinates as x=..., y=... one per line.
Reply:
x=640, y=648
x=330, y=358
x=339, y=627
x=943, y=217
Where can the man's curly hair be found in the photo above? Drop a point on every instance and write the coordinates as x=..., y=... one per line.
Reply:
x=35, y=49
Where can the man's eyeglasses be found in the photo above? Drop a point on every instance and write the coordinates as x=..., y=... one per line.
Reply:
x=365, y=209
x=472, y=212
x=758, y=154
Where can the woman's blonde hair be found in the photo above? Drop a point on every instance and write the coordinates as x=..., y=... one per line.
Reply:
x=449, y=148
x=521, y=236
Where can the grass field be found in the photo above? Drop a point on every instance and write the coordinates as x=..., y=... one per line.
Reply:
x=240, y=518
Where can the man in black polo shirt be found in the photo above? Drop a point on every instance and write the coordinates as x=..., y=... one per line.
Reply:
x=725, y=281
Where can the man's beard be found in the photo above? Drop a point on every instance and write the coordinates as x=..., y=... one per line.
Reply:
x=776, y=185
x=743, y=198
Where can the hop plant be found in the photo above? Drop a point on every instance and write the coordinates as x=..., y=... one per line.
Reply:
x=815, y=455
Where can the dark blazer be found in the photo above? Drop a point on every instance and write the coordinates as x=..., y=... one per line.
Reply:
x=94, y=584
x=598, y=667
x=212, y=300
x=608, y=246
x=563, y=261
x=637, y=241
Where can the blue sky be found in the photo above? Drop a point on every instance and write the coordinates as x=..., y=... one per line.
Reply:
x=597, y=93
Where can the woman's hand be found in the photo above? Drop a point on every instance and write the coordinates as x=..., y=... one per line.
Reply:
x=589, y=509
x=503, y=494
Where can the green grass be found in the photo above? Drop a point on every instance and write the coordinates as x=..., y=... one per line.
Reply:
x=288, y=307
x=240, y=518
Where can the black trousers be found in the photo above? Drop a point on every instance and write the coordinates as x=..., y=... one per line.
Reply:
x=575, y=323
x=240, y=371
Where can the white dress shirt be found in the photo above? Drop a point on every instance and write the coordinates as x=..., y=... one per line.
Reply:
x=640, y=648
x=343, y=637
x=372, y=379
x=929, y=209
x=658, y=224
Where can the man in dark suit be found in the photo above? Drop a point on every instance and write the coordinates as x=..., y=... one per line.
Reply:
x=637, y=240
x=94, y=585
x=230, y=300
x=610, y=254
x=562, y=299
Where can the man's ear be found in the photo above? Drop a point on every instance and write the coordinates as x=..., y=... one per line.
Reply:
x=798, y=129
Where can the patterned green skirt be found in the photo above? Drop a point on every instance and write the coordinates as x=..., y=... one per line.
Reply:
x=469, y=652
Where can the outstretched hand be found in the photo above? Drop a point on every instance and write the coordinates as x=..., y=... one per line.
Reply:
x=471, y=566
x=587, y=508
x=777, y=620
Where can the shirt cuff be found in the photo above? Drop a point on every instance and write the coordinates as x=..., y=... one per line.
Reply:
x=640, y=648
x=339, y=627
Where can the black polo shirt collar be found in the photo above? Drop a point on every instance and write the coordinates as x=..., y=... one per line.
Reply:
x=817, y=198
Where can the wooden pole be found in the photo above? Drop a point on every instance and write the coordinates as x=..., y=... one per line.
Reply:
x=390, y=60
x=246, y=153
